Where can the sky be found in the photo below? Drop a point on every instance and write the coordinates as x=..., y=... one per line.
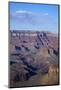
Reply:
x=35, y=17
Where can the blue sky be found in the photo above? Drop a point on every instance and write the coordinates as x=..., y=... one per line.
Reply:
x=35, y=17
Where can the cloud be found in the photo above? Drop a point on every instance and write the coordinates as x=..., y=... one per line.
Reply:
x=29, y=13
x=27, y=17
x=23, y=11
x=31, y=18
x=20, y=11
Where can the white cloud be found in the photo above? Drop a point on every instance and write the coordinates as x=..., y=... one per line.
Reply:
x=23, y=11
x=20, y=11
x=30, y=13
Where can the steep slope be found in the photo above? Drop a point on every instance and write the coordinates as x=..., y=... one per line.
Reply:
x=31, y=55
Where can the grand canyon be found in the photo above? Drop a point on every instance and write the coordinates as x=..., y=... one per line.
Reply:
x=33, y=58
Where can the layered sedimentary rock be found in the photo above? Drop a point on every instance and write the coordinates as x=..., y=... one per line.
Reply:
x=31, y=54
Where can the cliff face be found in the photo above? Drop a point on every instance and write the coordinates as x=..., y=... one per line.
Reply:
x=31, y=53
x=31, y=40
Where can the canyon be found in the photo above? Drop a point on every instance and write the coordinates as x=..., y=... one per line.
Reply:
x=33, y=58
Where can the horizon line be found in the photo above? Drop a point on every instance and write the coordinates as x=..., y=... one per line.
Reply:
x=34, y=31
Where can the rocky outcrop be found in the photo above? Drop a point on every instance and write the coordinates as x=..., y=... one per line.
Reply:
x=31, y=54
